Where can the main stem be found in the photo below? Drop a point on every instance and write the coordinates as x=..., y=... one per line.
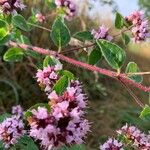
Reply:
x=92, y=68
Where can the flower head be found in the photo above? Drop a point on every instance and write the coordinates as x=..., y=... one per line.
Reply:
x=139, y=139
x=101, y=33
x=11, y=6
x=65, y=124
x=68, y=6
x=48, y=77
x=11, y=130
x=139, y=25
x=112, y=144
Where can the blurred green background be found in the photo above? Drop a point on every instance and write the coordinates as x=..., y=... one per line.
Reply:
x=110, y=106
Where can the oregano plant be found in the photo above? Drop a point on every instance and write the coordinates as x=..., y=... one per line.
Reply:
x=60, y=123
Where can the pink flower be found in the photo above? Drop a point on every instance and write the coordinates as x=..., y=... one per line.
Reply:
x=101, y=33
x=112, y=144
x=140, y=25
x=138, y=138
x=68, y=6
x=11, y=6
x=11, y=130
x=40, y=18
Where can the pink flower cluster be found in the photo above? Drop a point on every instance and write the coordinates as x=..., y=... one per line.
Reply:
x=139, y=25
x=101, y=33
x=112, y=144
x=48, y=77
x=11, y=6
x=69, y=8
x=65, y=124
x=139, y=139
x=40, y=18
x=11, y=129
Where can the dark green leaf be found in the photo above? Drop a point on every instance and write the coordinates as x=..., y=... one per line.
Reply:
x=67, y=73
x=126, y=38
x=26, y=143
x=119, y=21
x=132, y=67
x=60, y=33
x=20, y=22
x=95, y=55
x=13, y=54
x=2, y=23
x=48, y=61
x=61, y=85
x=114, y=55
x=75, y=147
x=4, y=116
x=83, y=36
x=5, y=39
x=145, y=114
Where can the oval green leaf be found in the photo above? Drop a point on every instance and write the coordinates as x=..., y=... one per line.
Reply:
x=60, y=33
x=114, y=55
x=13, y=54
x=95, y=55
x=20, y=22
x=132, y=67
x=83, y=36
x=61, y=85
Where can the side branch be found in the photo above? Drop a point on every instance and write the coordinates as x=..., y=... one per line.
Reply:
x=106, y=72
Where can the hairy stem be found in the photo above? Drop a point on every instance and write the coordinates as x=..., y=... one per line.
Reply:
x=92, y=68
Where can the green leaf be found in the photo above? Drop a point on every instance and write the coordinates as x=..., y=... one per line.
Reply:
x=95, y=55
x=119, y=21
x=3, y=23
x=4, y=116
x=145, y=114
x=13, y=54
x=5, y=39
x=20, y=22
x=28, y=113
x=114, y=55
x=61, y=85
x=48, y=61
x=132, y=67
x=75, y=147
x=26, y=143
x=60, y=33
x=3, y=33
x=83, y=36
x=126, y=38
x=67, y=73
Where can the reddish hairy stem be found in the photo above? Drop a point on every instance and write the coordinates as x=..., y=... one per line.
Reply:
x=106, y=72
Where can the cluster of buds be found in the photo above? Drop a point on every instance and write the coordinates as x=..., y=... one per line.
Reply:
x=112, y=144
x=139, y=25
x=68, y=7
x=11, y=6
x=139, y=139
x=11, y=129
x=48, y=77
x=65, y=123
x=40, y=18
x=101, y=33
